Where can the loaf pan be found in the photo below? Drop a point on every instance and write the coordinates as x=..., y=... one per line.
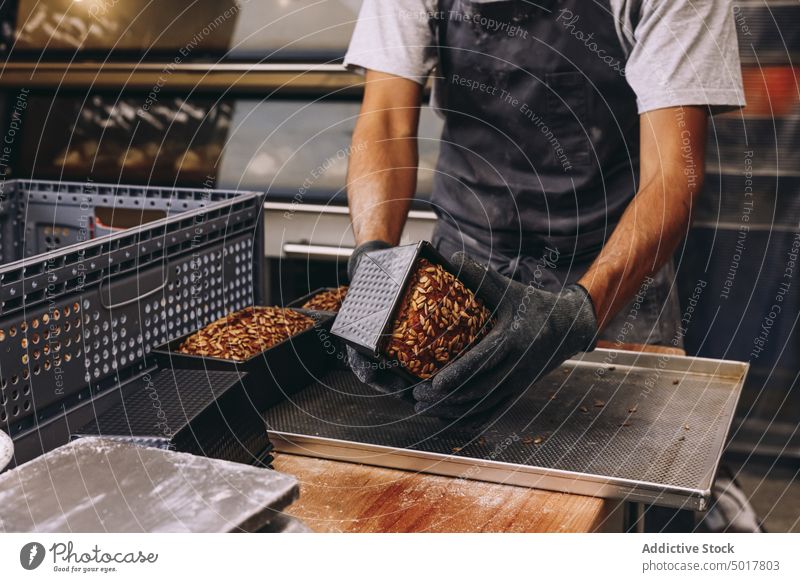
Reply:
x=273, y=374
x=375, y=295
x=300, y=301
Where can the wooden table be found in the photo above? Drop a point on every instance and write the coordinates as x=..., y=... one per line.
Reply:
x=347, y=497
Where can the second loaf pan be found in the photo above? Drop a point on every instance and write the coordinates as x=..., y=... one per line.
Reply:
x=271, y=375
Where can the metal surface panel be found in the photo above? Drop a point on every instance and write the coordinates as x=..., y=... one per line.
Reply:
x=94, y=485
x=307, y=231
x=6, y=450
x=640, y=427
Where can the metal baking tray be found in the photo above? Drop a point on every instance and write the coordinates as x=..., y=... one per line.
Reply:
x=334, y=346
x=285, y=368
x=375, y=296
x=100, y=485
x=635, y=426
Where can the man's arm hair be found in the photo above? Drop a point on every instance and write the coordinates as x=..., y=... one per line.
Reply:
x=382, y=175
x=672, y=153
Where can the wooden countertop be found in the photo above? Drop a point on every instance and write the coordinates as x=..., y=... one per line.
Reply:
x=347, y=497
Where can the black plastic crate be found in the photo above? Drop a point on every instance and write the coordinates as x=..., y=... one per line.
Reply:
x=275, y=373
x=78, y=321
x=199, y=412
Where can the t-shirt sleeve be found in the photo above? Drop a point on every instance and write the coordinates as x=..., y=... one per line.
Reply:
x=395, y=37
x=685, y=53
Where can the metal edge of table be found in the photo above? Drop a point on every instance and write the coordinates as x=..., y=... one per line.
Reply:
x=490, y=471
x=537, y=477
x=729, y=369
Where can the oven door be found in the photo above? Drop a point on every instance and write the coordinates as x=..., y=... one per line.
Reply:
x=307, y=246
x=298, y=151
x=294, y=149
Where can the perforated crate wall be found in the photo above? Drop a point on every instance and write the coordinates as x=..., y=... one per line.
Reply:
x=79, y=320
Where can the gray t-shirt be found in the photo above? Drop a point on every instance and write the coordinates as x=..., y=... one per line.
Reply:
x=679, y=52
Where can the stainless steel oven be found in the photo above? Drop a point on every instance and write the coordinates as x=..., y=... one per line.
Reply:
x=226, y=95
x=298, y=150
x=257, y=30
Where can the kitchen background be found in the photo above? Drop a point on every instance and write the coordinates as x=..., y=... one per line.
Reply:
x=253, y=96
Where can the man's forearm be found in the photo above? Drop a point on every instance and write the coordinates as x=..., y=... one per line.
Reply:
x=672, y=170
x=643, y=241
x=381, y=183
x=382, y=176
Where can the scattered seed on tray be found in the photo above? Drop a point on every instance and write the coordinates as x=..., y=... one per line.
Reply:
x=533, y=440
x=626, y=423
x=676, y=382
x=241, y=335
x=438, y=319
x=330, y=300
x=599, y=403
x=633, y=409
x=584, y=409
x=685, y=427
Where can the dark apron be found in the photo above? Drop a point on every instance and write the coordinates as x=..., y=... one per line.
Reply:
x=540, y=149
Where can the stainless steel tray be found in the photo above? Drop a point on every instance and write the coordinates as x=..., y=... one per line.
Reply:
x=625, y=425
x=100, y=485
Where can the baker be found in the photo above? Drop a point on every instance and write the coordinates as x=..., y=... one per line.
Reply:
x=572, y=154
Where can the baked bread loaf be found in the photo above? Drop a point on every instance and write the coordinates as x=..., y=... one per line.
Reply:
x=243, y=334
x=438, y=319
x=330, y=300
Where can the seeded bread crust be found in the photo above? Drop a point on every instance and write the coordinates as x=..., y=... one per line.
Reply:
x=243, y=334
x=439, y=318
x=330, y=300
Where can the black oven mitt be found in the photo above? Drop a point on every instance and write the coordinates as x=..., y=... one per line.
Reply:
x=534, y=332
